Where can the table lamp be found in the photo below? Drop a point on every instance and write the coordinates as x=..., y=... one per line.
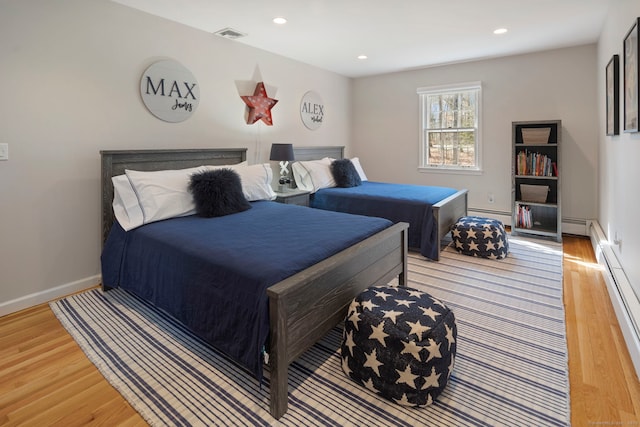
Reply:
x=282, y=153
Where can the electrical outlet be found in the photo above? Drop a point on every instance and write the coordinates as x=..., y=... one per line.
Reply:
x=4, y=151
x=617, y=241
x=490, y=198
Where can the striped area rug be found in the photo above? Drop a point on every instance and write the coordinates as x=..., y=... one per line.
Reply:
x=511, y=366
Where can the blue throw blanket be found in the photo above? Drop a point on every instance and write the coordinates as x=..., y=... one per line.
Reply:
x=395, y=202
x=212, y=273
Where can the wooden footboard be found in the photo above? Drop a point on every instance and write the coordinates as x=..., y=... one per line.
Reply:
x=446, y=213
x=305, y=306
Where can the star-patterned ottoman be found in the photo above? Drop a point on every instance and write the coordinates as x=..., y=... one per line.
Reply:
x=481, y=237
x=399, y=343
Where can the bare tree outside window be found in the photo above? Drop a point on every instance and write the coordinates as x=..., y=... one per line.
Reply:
x=450, y=127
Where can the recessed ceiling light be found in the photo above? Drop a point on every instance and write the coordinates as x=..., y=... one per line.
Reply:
x=279, y=20
x=362, y=57
x=500, y=31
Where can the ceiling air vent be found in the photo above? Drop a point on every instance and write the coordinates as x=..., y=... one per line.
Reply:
x=229, y=33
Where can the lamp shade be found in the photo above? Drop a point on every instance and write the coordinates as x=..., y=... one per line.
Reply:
x=281, y=152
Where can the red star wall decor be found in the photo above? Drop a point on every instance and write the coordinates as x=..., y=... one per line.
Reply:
x=260, y=105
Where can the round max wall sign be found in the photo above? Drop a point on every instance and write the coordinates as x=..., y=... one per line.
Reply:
x=169, y=91
x=312, y=110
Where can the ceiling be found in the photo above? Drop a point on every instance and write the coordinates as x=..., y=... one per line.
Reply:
x=395, y=35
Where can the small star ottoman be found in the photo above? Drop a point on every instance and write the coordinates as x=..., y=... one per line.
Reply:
x=399, y=343
x=481, y=237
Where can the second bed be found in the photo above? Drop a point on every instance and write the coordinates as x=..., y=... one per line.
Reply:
x=430, y=211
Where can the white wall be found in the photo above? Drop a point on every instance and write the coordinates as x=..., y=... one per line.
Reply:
x=619, y=175
x=558, y=84
x=70, y=75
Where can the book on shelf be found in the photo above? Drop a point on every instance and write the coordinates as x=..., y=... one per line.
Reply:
x=524, y=218
x=535, y=164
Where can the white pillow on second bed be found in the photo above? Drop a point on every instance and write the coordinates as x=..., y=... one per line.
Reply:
x=313, y=175
x=358, y=166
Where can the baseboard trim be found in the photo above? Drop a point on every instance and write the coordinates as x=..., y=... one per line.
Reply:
x=505, y=217
x=576, y=226
x=623, y=298
x=42, y=297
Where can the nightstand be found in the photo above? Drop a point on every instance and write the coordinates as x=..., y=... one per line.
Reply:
x=293, y=197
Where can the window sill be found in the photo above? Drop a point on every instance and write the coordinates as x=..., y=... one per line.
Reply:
x=452, y=171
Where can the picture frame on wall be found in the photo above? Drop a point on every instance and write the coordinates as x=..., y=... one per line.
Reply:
x=631, y=52
x=612, y=73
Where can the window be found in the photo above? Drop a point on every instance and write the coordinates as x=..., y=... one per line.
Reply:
x=450, y=127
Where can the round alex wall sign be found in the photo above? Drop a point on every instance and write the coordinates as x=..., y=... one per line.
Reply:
x=169, y=91
x=312, y=110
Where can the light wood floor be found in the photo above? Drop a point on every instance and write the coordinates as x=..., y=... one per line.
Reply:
x=45, y=379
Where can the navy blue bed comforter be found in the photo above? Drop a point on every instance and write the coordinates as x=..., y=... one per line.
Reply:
x=395, y=202
x=212, y=273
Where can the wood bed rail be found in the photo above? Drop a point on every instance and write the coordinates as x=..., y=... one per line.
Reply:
x=305, y=306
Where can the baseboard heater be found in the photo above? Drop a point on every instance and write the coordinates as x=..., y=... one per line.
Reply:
x=625, y=302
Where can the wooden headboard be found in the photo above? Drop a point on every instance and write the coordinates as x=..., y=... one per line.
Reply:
x=114, y=162
x=316, y=153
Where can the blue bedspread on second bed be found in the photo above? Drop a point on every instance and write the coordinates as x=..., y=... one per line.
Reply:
x=212, y=273
x=396, y=202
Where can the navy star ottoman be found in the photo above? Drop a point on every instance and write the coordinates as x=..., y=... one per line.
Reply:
x=399, y=343
x=481, y=237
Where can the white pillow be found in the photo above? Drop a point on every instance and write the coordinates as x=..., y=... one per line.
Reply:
x=143, y=197
x=163, y=194
x=126, y=208
x=356, y=163
x=313, y=175
x=255, y=179
x=235, y=165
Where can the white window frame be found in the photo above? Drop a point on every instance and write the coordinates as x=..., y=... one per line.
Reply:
x=423, y=92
